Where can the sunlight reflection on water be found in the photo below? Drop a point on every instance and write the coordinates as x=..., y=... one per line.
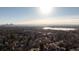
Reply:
x=64, y=29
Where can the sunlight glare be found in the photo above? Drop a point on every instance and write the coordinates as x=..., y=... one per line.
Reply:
x=46, y=10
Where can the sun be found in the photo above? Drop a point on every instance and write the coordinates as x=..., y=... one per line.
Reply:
x=45, y=10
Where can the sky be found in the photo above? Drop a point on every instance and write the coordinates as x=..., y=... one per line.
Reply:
x=33, y=16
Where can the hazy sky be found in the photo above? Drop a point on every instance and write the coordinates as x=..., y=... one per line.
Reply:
x=31, y=15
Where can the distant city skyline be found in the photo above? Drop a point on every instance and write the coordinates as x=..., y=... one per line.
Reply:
x=32, y=16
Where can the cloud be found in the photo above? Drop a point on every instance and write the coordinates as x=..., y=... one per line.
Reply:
x=51, y=21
